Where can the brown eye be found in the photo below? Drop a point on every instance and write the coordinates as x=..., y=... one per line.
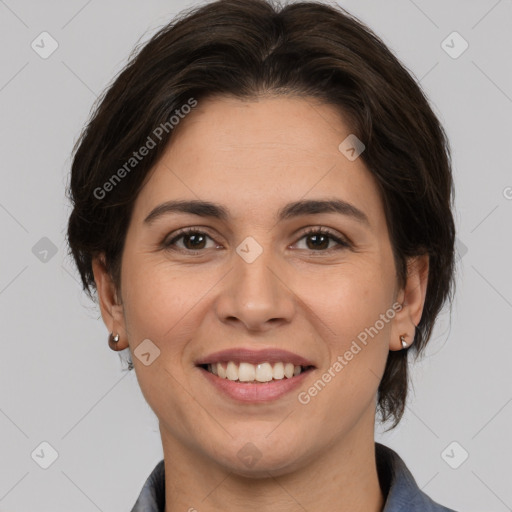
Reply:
x=192, y=240
x=318, y=240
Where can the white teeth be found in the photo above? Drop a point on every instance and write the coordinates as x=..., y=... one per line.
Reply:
x=288, y=370
x=264, y=372
x=221, y=371
x=232, y=371
x=247, y=372
x=278, y=371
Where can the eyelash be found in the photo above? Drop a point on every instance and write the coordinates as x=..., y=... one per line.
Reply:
x=170, y=245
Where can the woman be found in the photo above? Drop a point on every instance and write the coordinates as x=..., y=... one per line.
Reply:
x=262, y=202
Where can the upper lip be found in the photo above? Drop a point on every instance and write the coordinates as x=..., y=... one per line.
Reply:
x=246, y=355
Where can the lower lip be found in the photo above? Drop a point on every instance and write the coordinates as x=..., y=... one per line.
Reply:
x=255, y=393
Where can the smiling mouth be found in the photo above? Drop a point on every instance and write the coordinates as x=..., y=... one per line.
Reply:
x=255, y=373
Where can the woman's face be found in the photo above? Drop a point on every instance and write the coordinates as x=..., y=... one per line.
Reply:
x=254, y=280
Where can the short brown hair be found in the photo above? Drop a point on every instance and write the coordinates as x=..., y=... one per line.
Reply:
x=245, y=48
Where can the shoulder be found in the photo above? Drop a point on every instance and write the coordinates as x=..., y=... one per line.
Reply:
x=152, y=495
x=403, y=493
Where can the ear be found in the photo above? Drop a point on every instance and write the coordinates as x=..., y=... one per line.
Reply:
x=110, y=304
x=412, y=298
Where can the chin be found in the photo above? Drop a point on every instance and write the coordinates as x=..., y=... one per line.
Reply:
x=257, y=456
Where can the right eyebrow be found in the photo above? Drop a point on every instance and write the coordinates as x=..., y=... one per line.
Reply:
x=194, y=207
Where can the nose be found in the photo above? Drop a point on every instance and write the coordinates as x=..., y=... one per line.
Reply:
x=256, y=295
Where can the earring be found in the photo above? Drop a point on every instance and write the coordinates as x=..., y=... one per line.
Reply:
x=112, y=340
x=404, y=344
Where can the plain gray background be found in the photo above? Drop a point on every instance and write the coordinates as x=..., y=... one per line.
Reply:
x=59, y=381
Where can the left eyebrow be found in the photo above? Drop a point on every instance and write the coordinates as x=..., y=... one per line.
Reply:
x=316, y=206
x=289, y=211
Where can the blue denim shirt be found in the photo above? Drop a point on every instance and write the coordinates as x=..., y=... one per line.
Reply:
x=402, y=492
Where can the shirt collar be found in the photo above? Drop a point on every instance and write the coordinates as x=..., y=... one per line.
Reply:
x=397, y=483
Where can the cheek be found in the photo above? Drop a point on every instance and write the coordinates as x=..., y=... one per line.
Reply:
x=154, y=299
x=349, y=298
x=163, y=301
x=353, y=314
x=357, y=341
x=159, y=306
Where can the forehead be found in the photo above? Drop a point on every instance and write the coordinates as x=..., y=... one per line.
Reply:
x=254, y=156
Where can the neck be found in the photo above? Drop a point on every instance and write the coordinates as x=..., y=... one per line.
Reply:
x=342, y=478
